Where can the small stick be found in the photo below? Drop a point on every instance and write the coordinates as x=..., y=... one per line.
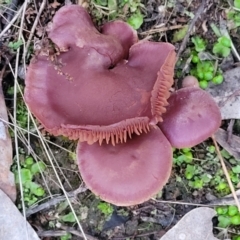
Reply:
x=12, y=21
x=35, y=25
x=162, y=29
x=53, y=201
x=226, y=172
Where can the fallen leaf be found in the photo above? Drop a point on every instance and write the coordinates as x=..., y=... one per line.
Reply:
x=197, y=225
x=233, y=147
x=7, y=183
x=227, y=94
x=13, y=225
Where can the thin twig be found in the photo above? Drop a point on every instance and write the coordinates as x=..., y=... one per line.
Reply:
x=35, y=135
x=11, y=9
x=12, y=21
x=54, y=201
x=35, y=25
x=162, y=29
x=77, y=233
x=185, y=40
x=226, y=172
x=181, y=203
x=49, y=156
x=24, y=7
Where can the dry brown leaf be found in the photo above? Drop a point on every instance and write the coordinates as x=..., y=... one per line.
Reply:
x=233, y=147
x=7, y=183
x=227, y=94
x=13, y=225
x=197, y=225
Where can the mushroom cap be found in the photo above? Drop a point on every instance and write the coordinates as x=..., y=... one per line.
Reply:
x=190, y=81
x=128, y=173
x=101, y=85
x=192, y=116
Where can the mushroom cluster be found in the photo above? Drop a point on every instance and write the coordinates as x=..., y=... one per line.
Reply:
x=111, y=92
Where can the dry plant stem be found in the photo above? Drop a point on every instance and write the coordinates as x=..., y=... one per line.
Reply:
x=54, y=201
x=226, y=172
x=12, y=21
x=230, y=130
x=23, y=139
x=15, y=115
x=11, y=9
x=162, y=29
x=77, y=233
x=181, y=203
x=59, y=233
x=59, y=168
x=33, y=134
x=185, y=40
x=35, y=25
x=57, y=176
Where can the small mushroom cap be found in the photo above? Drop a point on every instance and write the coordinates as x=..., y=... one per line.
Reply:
x=129, y=173
x=190, y=81
x=100, y=86
x=192, y=116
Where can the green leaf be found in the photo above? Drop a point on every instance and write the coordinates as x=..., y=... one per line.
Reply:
x=217, y=79
x=225, y=41
x=26, y=175
x=225, y=154
x=15, y=45
x=211, y=149
x=222, y=47
x=236, y=3
x=68, y=218
x=232, y=210
x=112, y=5
x=198, y=183
x=103, y=3
x=203, y=84
x=180, y=34
x=190, y=171
x=207, y=76
x=105, y=208
x=222, y=210
x=35, y=188
x=236, y=169
x=235, y=220
x=206, y=178
x=38, y=167
x=136, y=20
x=188, y=157
x=29, y=161
x=68, y=236
x=199, y=43
x=224, y=221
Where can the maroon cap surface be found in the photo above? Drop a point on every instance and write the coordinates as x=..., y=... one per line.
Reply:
x=192, y=116
x=101, y=86
x=129, y=173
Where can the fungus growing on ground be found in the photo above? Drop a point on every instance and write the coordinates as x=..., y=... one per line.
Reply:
x=190, y=81
x=128, y=173
x=192, y=116
x=102, y=86
x=107, y=87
